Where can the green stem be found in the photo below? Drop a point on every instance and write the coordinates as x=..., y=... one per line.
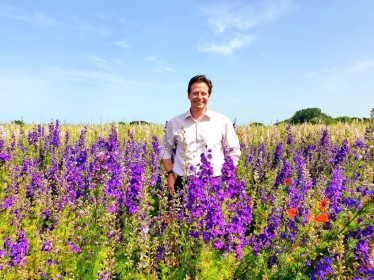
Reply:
x=358, y=213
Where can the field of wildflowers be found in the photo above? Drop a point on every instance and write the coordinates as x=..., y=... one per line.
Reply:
x=90, y=202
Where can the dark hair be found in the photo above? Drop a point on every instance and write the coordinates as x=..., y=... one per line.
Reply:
x=200, y=79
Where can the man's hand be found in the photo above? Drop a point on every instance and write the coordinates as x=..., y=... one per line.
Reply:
x=171, y=177
x=171, y=182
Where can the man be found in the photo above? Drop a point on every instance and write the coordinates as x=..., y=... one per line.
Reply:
x=197, y=131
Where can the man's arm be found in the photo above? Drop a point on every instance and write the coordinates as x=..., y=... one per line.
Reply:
x=171, y=177
x=165, y=155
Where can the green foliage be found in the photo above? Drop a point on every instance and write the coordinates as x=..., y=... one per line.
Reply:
x=138, y=122
x=312, y=115
x=316, y=116
x=257, y=124
x=19, y=122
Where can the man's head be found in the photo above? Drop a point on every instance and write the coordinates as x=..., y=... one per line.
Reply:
x=200, y=79
x=199, y=90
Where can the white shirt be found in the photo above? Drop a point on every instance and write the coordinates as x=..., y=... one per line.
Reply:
x=213, y=132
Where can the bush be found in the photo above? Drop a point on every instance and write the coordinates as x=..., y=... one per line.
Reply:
x=19, y=122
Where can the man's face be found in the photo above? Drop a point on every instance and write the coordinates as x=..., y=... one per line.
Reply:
x=199, y=96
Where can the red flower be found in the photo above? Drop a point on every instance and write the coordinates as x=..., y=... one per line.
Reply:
x=291, y=212
x=307, y=216
x=323, y=204
x=287, y=181
x=167, y=220
x=321, y=218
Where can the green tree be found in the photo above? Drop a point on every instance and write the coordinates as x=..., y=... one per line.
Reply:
x=313, y=115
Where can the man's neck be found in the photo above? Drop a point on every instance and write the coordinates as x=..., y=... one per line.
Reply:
x=198, y=114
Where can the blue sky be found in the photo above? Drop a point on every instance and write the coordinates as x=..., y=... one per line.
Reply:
x=103, y=61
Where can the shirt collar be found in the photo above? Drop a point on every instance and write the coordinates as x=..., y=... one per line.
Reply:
x=208, y=113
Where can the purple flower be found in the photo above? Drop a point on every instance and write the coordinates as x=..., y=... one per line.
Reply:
x=218, y=244
x=334, y=191
x=46, y=214
x=342, y=153
x=206, y=195
x=18, y=249
x=26, y=164
x=289, y=135
x=194, y=233
x=47, y=246
x=161, y=251
x=54, y=134
x=359, y=144
x=321, y=269
x=4, y=157
x=8, y=202
x=350, y=202
x=299, y=163
x=325, y=140
x=33, y=137
x=36, y=183
x=2, y=253
x=278, y=153
x=112, y=208
x=74, y=248
x=134, y=193
x=82, y=157
x=285, y=172
x=154, y=160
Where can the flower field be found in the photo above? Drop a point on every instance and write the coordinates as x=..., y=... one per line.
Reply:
x=91, y=202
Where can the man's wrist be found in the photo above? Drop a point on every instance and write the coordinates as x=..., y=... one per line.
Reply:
x=168, y=173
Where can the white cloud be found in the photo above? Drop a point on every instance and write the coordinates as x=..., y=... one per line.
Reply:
x=238, y=18
x=97, y=75
x=100, y=62
x=87, y=27
x=123, y=43
x=161, y=66
x=223, y=17
x=93, y=77
x=104, y=29
x=80, y=24
x=37, y=18
x=238, y=42
x=363, y=66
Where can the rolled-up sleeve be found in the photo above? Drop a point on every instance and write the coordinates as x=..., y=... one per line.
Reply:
x=231, y=143
x=167, y=143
